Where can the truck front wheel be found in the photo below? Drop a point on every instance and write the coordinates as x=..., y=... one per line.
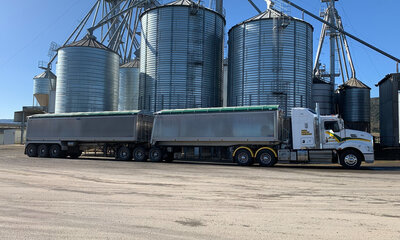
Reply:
x=31, y=150
x=266, y=158
x=43, y=151
x=243, y=157
x=139, y=154
x=350, y=159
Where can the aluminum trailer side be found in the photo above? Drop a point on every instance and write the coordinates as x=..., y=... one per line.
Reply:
x=230, y=129
x=68, y=133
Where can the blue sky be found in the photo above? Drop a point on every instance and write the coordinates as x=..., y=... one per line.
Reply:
x=28, y=27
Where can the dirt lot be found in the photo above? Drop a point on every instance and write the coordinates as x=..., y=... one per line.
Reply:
x=105, y=199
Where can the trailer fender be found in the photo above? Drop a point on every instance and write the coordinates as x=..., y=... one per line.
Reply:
x=268, y=148
x=243, y=147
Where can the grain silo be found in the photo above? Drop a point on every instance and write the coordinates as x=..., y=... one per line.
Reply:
x=88, y=77
x=322, y=93
x=181, y=56
x=44, y=86
x=129, y=86
x=270, y=61
x=354, y=105
x=389, y=110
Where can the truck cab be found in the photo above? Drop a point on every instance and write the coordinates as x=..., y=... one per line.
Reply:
x=327, y=134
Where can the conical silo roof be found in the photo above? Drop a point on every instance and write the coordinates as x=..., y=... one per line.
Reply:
x=45, y=74
x=88, y=41
x=269, y=14
x=354, y=83
x=132, y=64
x=180, y=2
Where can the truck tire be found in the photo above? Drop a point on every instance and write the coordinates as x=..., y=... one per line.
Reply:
x=55, y=151
x=139, y=154
x=43, y=151
x=123, y=153
x=243, y=157
x=350, y=159
x=266, y=158
x=31, y=150
x=155, y=154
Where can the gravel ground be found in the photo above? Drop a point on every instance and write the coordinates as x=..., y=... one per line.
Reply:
x=91, y=198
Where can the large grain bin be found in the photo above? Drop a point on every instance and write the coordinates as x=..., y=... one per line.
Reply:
x=181, y=57
x=129, y=86
x=270, y=61
x=354, y=104
x=88, y=77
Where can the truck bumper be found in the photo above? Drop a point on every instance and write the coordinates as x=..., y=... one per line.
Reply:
x=369, y=157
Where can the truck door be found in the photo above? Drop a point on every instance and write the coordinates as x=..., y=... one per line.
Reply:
x=331, y=135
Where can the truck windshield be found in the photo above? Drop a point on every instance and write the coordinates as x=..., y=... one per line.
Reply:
x=332, y=125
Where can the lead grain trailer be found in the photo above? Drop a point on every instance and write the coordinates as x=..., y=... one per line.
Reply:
x=127, y=133
x=259, y=134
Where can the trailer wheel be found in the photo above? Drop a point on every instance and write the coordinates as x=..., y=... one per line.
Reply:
x=155, y=154
x=55, y=151
x=243, y=157
x=31, y=150
x=139, y=154
x=266, y=158
x=123, y=153
x=350, y=159
x=43, y=151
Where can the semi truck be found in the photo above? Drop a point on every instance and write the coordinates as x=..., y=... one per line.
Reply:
x=247, y=135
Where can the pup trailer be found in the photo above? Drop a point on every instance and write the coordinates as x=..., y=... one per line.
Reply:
x=260, y=134
x=247, y=135
x=126, y=133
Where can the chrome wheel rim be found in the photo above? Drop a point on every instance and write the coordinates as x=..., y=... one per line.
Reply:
x=350, y=160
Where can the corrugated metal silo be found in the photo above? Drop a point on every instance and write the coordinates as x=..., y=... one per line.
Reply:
x=322, y=93
x=43, y=84
x=389, y=110
x=129, y=86
x=354, y=104
x=88, y=77
x=181, y=57
x=270, y=61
